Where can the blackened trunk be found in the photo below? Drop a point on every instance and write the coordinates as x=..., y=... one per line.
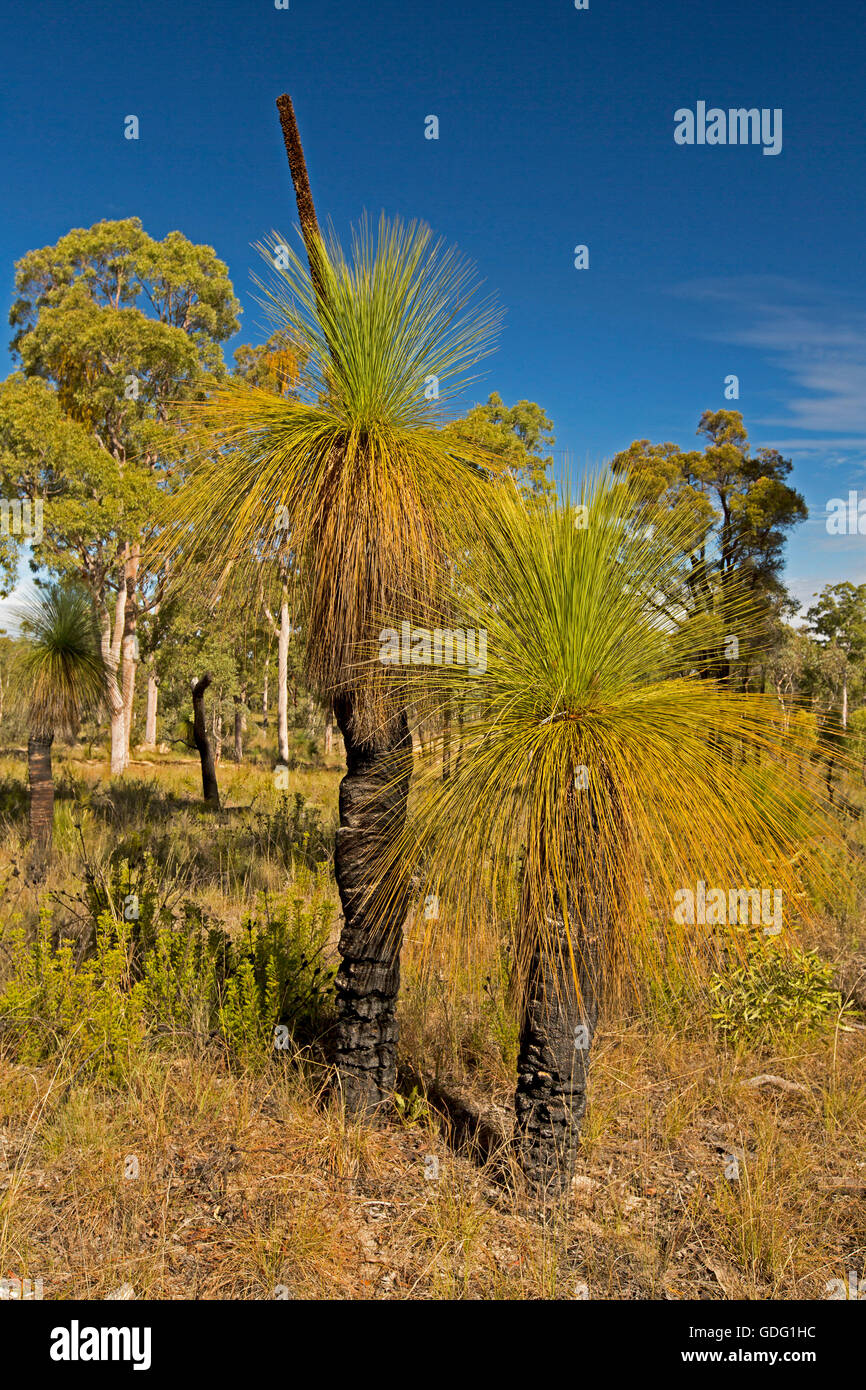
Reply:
x=202, y=743
x=41, y=794
x=560, y=1012
x=373, y=798
x=217, y=729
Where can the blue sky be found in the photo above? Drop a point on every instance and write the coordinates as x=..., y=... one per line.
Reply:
x=555, y=128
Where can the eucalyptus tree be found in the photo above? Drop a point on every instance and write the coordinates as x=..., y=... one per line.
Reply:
x=736, y=508
x=839, y=619
x=111, y=327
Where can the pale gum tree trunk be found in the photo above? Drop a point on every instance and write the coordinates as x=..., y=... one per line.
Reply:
x=239, y=725
x=845, y=701
x=150, y=719
x=265, y=698
x=111, y=644
x=283, y=681
x=282, y=631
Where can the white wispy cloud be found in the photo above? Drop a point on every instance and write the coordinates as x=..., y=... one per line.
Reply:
x=816, y=337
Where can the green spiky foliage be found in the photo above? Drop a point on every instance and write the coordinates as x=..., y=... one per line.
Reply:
x=60, y=676
x=352, y=492
x=351, y=485
x=602, y=773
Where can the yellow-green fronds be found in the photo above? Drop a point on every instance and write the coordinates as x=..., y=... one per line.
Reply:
x=350, y=491
x=60, y=674
x=601, y=776
x=395, y=328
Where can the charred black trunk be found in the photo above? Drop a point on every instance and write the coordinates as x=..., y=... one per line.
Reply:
x=239, y=729
x=558, y=1025
x=373, y=797
x=209, y=785
x=561, y=998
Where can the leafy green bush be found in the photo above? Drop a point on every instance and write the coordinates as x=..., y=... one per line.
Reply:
x=774, y=994
x=90, y=1012
x=278, y=978
x=150, y=975
x=14, y=798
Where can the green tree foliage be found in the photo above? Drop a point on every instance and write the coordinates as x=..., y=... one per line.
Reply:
x=736, y=508
x=839, y=620
x=112, y=327
x=518, y=437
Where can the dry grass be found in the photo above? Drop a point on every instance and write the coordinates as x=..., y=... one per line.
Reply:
x=250, y=1189
x=253, y=1187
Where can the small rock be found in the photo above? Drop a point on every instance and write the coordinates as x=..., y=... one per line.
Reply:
x=584, y=1189
x=777, y=1083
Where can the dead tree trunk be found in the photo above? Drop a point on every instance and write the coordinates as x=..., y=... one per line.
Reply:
x=210, y=789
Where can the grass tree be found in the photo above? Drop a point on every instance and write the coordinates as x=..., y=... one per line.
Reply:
x=61, y=676
x=600, y=779
x=352, y=491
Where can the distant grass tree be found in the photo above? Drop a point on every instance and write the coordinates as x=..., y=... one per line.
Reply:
x=600, y=776
x=355, y=495
x=60, y=677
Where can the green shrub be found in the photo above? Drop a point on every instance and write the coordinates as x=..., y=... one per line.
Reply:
x=775, y=994
x=92, y=1012
x=150, y=975
x=278, y=978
